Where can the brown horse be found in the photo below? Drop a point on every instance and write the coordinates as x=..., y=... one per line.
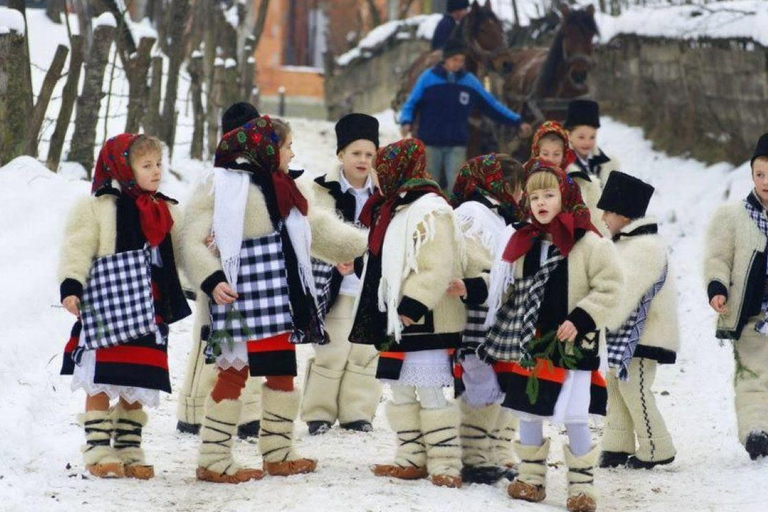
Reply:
x=483, y=34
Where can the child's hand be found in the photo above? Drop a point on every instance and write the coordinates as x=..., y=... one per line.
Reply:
x=567, y=332
x=72, y=304
x=224, y=294
x=406, y=321
x=457, y=288
x=209, y=243
x=718, y=303
x=345, y=268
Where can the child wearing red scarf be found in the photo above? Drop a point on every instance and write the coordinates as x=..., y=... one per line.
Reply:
x=125, y=215
x=257, y=298
x=544, y=335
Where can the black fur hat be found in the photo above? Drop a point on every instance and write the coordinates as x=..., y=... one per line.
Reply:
x=354, y=127
x=583, y=112
x=237, y=115
x=454, y=46
x=761, y=149
x=456, y=5
x=625, y=195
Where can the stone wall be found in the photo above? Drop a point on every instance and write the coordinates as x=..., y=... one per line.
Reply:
x=707, y=99
x=369, y=85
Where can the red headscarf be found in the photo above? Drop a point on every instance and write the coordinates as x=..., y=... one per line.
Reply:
x=553, y=127
x=257, y=142
x=574, y=215
x=483, y=175
x=400, y=168
x=154, y=215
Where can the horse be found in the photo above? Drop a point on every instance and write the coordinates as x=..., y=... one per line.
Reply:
x=482, y=33
x=540, y=76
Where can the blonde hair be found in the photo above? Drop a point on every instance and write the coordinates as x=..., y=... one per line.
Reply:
x=142, y=145
x=541, y=180
x=282, y=129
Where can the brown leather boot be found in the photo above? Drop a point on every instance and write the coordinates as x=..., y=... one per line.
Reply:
x=411, y=455
x=407, y=473
x=279, y=411
x=530, y=484
x=100, y=458
x=129, y=424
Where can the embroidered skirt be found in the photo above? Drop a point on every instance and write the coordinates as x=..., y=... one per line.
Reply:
x=268, y=357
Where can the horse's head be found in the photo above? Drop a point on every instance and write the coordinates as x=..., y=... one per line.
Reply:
x=578, y=31
x=482, y=30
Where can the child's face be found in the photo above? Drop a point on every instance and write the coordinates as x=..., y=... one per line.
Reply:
x=615, y=222
x=286, y=153
x=148, y=170
x=583, y=140
x=760, y=179
x=357, y=160
x=546, y=203
x=552, y=151
x=455, y=63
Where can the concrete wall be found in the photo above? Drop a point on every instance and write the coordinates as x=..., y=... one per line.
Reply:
x=707, y=99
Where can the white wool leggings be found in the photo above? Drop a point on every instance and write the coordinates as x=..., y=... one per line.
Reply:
x=430, y=397
x=579, y=437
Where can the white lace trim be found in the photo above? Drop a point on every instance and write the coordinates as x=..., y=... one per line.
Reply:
x=83, y=377
x=427, y=368
x=235, y=357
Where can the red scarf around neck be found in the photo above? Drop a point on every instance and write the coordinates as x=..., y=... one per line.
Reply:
x=113, y=164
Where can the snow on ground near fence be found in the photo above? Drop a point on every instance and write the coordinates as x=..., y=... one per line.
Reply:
x=42, y=466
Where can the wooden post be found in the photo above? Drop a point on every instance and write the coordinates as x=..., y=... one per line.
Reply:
x=89, y=102
x=214, y=107
x=195, y=69
x=68, y=97
x=46, y=91
x=12, y=110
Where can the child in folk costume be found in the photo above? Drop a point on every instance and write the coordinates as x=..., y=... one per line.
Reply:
x=415, y=249
x=737, y=285
x=341, y=379
x=485, y=197
x=261, y=290
x=649, y=335
x=592, y=166
x=201, y=376
x=118, y=276
x=544, y=339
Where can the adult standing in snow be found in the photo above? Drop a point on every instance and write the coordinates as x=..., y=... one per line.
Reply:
x=454, y=13
x=737, y=285
x=444, y=97
x=200, y=377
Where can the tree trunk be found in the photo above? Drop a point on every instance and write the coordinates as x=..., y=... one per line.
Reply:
x=261, y=20
x=247, y=69
x=52, y=76
x=375, y=16
x=137, y=71
x=89, y=102
x=12, y=92
x=68, y=97
x=214, y=106
x=54, y=10
x=195, y=69
x=179, y=13
x=152, y=118
x=24, y=68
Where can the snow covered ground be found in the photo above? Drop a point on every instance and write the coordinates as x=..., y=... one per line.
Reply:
x=42, y=468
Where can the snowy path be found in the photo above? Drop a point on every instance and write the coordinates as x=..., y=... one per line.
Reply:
x=39, y=447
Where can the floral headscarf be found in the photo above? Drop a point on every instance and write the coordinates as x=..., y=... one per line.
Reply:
x=555, y=128
x=113, y=164
x=257, y=142
x=483, y=175
x=401, y=167
x=574, y=215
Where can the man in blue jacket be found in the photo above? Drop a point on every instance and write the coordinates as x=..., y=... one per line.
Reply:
x=454, y=12
x=444, y=97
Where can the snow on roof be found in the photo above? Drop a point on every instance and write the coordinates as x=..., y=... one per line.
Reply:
x=746, y=19
x=11, y=20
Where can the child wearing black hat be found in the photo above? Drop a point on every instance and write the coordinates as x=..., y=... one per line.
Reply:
x=649, y=334
x=341, y=379
x=592, y=165
x=200, y=377
x=735, y=270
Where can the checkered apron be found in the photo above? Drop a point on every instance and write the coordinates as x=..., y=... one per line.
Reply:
x=758, y=216
x=515, y=323
x=474, y=332
x=623, y=342
x=117, y=305
x=263, y=306
x=323, y=274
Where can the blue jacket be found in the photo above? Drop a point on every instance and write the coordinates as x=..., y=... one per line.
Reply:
x=444, y=101
x=443, y=32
